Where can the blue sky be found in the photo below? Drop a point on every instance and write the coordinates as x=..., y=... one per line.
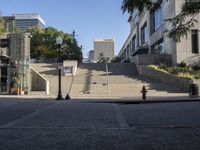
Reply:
x=89, y=18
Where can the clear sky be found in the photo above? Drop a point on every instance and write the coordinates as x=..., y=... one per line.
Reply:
x=89, y=18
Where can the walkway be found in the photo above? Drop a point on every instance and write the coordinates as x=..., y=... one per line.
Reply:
x=41, y=124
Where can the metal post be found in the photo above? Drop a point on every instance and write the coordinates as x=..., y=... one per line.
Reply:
x=59, y=75
x=37, y=52
x=107, y=76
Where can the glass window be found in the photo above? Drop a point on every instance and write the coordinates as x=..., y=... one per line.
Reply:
x=127, y=52
x=144, y=35
x=156, y=19
x=133, y=44
x=158, y=47
x=194, y=39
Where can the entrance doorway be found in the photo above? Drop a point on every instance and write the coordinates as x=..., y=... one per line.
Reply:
x=4, y=80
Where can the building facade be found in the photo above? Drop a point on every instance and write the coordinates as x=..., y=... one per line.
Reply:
x=104, y=47
x=7, y=24
x=27, y=21
x=91, y=56
x=14, y=60
x=148, y=35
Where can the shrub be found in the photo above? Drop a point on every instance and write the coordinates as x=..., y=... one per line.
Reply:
x=178, y=71
x=196, y=67
x=182, y=64
x=163, y=66
x=127, y=61
x=186, y=75
x=154, y=67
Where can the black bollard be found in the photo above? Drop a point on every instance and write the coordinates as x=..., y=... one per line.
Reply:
x=144, y=91
x=67, y=97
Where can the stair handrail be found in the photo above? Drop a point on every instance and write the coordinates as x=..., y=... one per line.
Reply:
x=107, y=76
x=46, y=80
x=71, y=84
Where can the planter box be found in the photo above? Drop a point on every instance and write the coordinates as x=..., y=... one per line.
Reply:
x=14, y=91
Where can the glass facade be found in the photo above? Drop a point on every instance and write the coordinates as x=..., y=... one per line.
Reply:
x=27, y=21
x=24, y=24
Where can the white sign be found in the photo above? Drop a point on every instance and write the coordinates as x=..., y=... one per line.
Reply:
x=67, y=69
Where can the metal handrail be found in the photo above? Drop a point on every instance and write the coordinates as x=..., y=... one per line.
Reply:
x=107, y=76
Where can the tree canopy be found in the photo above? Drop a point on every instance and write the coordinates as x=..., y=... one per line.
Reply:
x=182, y=23
x=43, y=44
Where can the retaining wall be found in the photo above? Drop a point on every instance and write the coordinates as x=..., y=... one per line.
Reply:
x=166, y=78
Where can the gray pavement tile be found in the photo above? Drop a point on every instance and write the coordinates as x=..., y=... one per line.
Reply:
x=100, y=139
x=166, y=114
x=68, y=114
x=18, y=110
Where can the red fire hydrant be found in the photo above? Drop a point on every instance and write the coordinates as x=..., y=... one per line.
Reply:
x=144, y=91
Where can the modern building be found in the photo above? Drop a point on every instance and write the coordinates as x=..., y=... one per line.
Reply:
x=14, y=60
x=91, y=56
x=7, y=24
x=148, y=35
x=104, y=47
x=27, y=21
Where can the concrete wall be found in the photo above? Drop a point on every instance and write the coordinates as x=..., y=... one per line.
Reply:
x=18, y=53
x=152, y=59
x=170, y=79
x=37, y=82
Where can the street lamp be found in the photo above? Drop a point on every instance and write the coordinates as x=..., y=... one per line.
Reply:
x=59, y=43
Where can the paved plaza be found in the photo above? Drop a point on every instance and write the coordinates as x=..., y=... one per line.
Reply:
x=33, y=124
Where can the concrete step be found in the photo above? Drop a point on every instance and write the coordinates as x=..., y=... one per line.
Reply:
x=37, y=93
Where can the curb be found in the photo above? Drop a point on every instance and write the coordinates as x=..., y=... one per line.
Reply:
x=120, y=100
x=135, y=101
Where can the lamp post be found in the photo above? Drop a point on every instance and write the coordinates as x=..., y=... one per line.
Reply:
x=59, y=43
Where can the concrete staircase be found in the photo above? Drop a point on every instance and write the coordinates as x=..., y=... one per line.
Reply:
x=91, y=81
x=50, y=72
x=123, y=81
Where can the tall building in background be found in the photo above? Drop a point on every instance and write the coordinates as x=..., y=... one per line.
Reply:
x=104, y=47
x=27, y=21
x=91, y=56
x=7, y=24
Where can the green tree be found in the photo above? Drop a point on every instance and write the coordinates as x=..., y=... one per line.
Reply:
x=182, y=23
x=2, y=29
x=116, y=59
x=101, y=58
x=43, y=44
